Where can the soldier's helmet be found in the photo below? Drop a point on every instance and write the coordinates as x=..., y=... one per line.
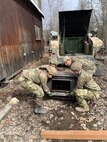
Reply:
x=66, y=58
x=54, y=34
x=76, y=66
x=52, y=70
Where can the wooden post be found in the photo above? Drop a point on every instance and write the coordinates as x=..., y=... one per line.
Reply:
x=75, y=135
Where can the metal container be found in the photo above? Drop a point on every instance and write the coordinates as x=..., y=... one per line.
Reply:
x=62, y=84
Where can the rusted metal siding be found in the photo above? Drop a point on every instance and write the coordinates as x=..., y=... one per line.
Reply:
x=18, y=45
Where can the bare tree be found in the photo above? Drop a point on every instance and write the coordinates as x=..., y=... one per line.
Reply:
x=54, y=7
x=39, y=3
x=82, y=4
x=104, y=13
x=51, y=20
x=96, y=17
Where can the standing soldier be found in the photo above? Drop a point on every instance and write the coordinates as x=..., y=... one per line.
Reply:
x=54, y=47
x=97, y=45
x=86, y=89
x=35, y=81
x=87, y=65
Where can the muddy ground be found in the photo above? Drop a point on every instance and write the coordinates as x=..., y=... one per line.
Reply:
x=22, y=125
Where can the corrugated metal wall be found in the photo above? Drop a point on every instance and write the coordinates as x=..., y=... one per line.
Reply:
x=18, y=44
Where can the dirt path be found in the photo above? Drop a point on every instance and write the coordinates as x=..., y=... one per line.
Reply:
x=22, y=125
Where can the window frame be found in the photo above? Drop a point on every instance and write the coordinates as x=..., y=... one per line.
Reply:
x=37, y=32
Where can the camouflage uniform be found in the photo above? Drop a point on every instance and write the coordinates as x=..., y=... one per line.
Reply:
x=34, y=80
x=45, y=67
x=97, y=44
x=54, y=47
x=87, y=89
x=87, y=65
x=55, y=51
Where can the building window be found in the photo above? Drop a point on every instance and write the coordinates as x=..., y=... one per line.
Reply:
x=38, y=33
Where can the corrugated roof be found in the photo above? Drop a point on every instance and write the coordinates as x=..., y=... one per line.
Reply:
x=34, y=3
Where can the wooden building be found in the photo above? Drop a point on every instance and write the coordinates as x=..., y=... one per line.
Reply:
x=21, y=35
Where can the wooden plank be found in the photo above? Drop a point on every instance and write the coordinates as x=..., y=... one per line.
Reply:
x=12, y=75
x=75, y=135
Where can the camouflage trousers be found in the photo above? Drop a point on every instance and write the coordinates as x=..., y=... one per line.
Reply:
x=91, y=72
x=31, y=87
x=85, y=95
x=53, y=58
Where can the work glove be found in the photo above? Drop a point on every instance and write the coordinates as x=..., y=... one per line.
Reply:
x=72, y=93
x=50, y=94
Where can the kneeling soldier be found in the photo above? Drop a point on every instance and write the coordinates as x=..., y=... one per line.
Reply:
x=35, y=81
x=86, y=89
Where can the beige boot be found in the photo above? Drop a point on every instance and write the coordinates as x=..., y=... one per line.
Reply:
x=82, y=109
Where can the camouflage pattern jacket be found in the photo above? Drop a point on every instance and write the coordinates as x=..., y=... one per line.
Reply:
x=86, y=64
x=85, y=81
x=37, y=76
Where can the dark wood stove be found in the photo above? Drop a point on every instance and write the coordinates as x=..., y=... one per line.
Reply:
x=63, y=83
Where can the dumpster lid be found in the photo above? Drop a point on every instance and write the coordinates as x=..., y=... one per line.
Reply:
x=74, y=23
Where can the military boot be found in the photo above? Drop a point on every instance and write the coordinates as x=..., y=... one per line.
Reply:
x=39, y=110
x=82, y=109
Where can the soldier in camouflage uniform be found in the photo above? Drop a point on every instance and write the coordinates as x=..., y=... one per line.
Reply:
x=86, y=89
x=51, y=64
x=87, y=65
x=35, y=81
x=54, y=47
